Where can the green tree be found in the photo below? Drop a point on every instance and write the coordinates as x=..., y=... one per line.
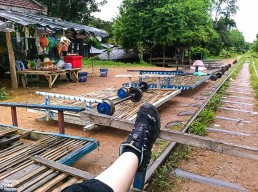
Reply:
x=223, y=27
x=237, y=40
x=221, y=11
x=254, y=46
x=174, y=22
x=132, y=27
x=222, y=39
x=222, y=8
x=72, y=10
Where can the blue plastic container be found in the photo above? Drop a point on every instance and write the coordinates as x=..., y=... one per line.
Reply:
x=103, y=72
x=68, y=66
x=82, y=76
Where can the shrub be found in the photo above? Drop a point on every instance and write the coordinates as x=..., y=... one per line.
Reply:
x=3, y=94
x=199, y=53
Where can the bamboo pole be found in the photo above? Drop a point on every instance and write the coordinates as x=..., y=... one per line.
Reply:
x=11, y=60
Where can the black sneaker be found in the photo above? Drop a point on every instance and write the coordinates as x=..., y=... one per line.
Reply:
x=144, y=134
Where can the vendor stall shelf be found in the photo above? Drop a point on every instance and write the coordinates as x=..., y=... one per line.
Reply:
x=51, y=75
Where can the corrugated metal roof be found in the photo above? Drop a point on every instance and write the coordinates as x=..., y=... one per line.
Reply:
x=50, y=22
x=6, y=27
x=94, y=50
x=118, y=54
x=27, y=4
x=106, y=45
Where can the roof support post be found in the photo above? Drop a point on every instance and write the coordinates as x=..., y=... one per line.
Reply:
x=11, y=60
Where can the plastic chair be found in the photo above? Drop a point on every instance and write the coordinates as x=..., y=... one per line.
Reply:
x=20, y=67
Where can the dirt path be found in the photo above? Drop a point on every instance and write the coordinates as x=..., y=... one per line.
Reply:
x=109, y=138
x=238, y=171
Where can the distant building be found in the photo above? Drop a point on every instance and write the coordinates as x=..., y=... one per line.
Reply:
x=119, y=54
x=23, y=6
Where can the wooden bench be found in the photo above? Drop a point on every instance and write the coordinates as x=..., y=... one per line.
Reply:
x=59, y=108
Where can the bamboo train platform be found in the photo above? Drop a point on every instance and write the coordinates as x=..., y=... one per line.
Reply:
x=180, y=82
x=167, y=80
x=125, y=111
x=39, y=161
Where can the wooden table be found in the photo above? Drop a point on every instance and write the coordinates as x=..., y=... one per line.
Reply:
x=50, y=75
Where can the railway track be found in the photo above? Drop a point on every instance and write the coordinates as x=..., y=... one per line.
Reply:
x=235, y=122
x=202, y=96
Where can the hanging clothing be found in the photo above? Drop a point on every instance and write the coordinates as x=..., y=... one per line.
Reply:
x=32, y=52
x=51, y=43
x=53, y=53
x=23, y=43
x=43, y=42
x=15, y=44
x=39, y=48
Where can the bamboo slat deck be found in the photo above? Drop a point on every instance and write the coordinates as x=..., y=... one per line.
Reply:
x=126, y=110
x=19, y=171
x=184, y=82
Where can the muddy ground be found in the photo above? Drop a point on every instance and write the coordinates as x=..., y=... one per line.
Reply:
x=109, y=138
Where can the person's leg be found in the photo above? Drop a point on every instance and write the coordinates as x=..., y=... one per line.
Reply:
x=120, y=174
x=135, y=154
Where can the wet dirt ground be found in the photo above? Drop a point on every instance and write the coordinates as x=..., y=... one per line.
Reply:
x=109, y=138
x=237, y=171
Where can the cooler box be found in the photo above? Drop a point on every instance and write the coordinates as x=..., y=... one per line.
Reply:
x=75, y=60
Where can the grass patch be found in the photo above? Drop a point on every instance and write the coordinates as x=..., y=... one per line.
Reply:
x=254, y=78
x=112, y=64
x=161, y=145
x=161, y=181
x=3, y=94
x=178, y=126
x=198, y=128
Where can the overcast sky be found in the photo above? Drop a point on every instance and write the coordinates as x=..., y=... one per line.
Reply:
x=246, y=18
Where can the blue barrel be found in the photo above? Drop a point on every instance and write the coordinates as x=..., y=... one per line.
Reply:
x=103, y=72
x=82, y=76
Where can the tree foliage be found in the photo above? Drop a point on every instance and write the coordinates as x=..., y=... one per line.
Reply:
x=222, y=8
x=237, y=40
x=223, y=26
x=173, y=22
x=72, y=10
x=254, y=46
